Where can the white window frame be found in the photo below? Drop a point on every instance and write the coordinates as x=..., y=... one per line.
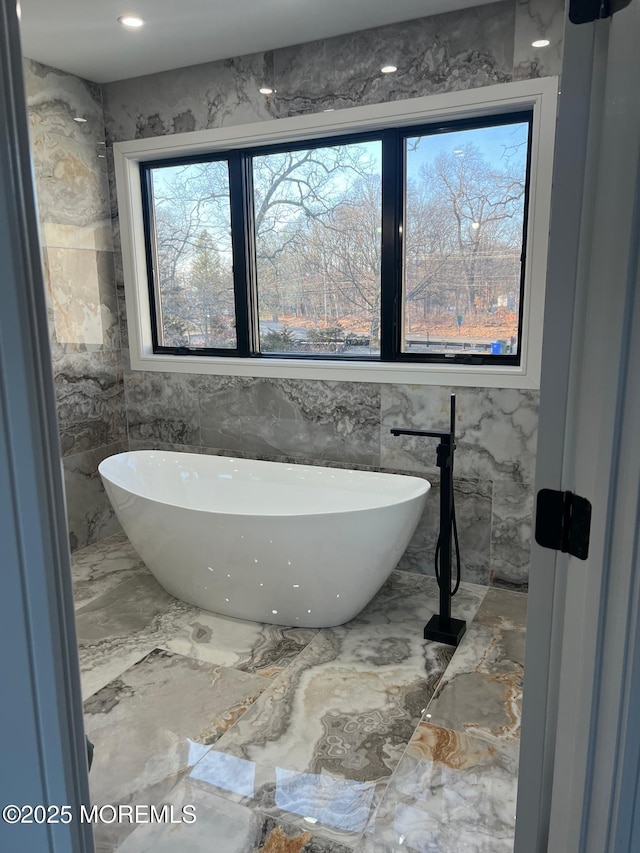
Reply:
x=540, y=94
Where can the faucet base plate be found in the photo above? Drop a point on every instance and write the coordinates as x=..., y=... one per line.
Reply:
x=443, y=630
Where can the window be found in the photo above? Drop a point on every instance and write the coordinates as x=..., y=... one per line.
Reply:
x=191, y=260
x=405, y=242
x=464, y=238
x=319, y=272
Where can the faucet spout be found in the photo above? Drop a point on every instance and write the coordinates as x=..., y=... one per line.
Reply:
x=442, y=434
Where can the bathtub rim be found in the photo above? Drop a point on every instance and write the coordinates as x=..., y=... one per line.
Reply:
x=425, y=487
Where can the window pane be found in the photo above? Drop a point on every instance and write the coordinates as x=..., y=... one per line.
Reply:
x=463, y=231
x=318, y=238
x=194, y=271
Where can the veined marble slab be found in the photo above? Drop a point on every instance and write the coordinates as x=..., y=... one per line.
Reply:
x=249, y=646
x=337, y=720
x=83, y=298
x=292, y=417
x=481, y=691
x=90, y=400
x=223, y=827
x=90, y=515
x=55, y=98
x=71, y=179
x=512, y=513
x=122, y=626
x=450, y=793
x=496, y=430
x=99, y=568
x=162, y=406
x=150, y=724
x=473, y=511
x=538, y=19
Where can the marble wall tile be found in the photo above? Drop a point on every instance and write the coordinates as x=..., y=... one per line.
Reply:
x=55, y=98
x=69, y=158
x=162, y=406
x=496, y=442
x=142, y=723
x=96, y=237
x=213, y=94
x=72, y=188
x=286, y=417
x=90, y=401
x=538, y=19
x=83, y=299
x=443, y=53
x=473, y=511
x=511, y=531
x=90, y=515
x=496, y=430
x=151, y=444
x=70, y=168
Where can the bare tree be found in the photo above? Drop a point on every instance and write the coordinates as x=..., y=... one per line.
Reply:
x=481, y=210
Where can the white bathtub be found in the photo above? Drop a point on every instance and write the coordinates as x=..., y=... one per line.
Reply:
x=287, y=544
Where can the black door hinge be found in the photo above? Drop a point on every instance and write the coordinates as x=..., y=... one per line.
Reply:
x=563, y=522
x=585, y=11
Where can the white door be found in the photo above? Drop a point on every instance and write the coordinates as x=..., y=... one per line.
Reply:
x=576, y=792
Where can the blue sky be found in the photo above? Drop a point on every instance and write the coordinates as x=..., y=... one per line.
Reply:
x=490, y=141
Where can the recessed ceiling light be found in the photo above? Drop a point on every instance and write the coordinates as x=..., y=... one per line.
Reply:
x=80, y=120
x=265, y=90
x=541, y=43
x=131, y=21
x=388, y=69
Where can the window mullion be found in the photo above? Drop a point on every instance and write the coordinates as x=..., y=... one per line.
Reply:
x=391, y=265
x=243, y=248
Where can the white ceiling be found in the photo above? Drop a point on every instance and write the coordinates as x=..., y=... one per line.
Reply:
x=84, y=38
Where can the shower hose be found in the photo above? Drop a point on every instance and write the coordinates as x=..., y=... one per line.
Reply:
x=452, y=526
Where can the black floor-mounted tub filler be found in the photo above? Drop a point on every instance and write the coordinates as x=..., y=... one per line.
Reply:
x=442, y=627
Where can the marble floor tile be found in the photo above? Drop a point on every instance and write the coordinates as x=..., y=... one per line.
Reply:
x=250, y=646
x=481, y=691
x=352, y=699
x=360, y=738
x=100, y=567
x=451, y=793
x=338, y=719
x=121, y=626
x=151, y=723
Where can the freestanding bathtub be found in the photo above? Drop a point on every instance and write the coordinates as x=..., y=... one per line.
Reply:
x=287, y=544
